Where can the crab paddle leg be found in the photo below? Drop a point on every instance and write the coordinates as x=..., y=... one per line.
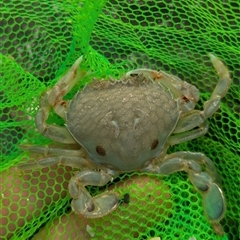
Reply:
x=207, y=183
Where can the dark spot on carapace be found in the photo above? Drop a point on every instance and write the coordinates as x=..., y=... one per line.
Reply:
x=101, y=151
x=154, y=144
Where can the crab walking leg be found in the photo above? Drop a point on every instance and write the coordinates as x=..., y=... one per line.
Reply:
x=200, y=159
x=64, y=86
x=211, y=106
x=46, y=150
x=221, y=88
x=83, y=202
x=186, y=136
x=54, y=132
x=53, y=98
x=213, y=198
x=77, y=162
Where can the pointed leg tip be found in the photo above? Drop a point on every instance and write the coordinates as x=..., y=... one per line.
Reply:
x=218, y=229
x=212, y=57
x=77, y=62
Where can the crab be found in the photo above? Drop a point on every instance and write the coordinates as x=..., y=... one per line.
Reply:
x=128, y=125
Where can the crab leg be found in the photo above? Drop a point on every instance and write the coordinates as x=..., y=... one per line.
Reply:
x=196, y=118
x=76, y=162
x=46, y=150
x=83, y=202
x=200, y=159
x=179, y=88
x=221, y=88
x=56, y=133
x=186, y=136
x=205, y=182
x=64, y=86
x=53, y=98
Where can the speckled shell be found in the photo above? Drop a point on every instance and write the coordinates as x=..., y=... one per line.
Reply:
x=122, y=124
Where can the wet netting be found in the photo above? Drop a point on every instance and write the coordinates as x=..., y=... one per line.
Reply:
x=40, y=40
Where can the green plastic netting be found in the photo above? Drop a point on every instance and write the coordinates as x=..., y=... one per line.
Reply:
x=40, y=40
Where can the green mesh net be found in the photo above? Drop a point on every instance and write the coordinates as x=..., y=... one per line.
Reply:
x=40, y=40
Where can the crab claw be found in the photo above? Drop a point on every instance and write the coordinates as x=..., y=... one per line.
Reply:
x=83, y=202
x=100, y=205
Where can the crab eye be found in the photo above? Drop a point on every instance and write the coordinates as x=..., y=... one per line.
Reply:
x=100, y=150
x=154, y=144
